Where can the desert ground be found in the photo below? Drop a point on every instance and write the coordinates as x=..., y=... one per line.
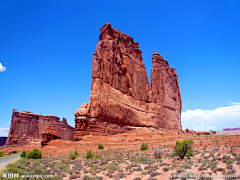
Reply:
x=215, y=155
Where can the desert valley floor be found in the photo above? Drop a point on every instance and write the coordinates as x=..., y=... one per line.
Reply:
x=215, y=155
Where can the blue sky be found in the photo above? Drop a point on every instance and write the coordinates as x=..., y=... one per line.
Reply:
x=46, y=52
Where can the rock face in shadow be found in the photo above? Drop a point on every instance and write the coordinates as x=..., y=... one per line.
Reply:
x=121, y=96
x=49, y=134
x=26, y=128
x=3, y=141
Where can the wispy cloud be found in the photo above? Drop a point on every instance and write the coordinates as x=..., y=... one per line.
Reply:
x=4, y=131
x=2, y=68
x=216, y=119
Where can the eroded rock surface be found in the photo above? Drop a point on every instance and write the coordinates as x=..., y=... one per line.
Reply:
x=26, y=128
x=49, y=134
x=121, y=96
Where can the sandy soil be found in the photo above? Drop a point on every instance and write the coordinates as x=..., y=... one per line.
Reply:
x=124, y=150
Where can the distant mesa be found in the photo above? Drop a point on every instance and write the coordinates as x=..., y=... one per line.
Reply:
x=27, y=128
x=121, y=96
x=230, y=129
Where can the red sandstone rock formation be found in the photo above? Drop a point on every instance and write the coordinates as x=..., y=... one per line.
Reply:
x=26, y=128
x=206, y=133
x=121, y=96
x=49, y=134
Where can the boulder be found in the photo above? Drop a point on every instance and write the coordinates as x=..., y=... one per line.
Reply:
x=49, y=134
x=121, y=96
x=206, y=133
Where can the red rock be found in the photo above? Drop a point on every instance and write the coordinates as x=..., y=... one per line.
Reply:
x=205, y=133
x=26, y=128
x=121, y=95
x=49, y=134
x=187, y=130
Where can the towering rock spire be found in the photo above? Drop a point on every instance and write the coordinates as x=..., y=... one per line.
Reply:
x=121, y=95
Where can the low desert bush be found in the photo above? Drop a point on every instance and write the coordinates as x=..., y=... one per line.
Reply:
x=157, y=153
x=74, y=176
x=23, y=154
x=97, y=156
x=229, y=161
x=62, y=166
x=76, y=153
x=183, y=148
x=100, y=146
x=144, y=146
x=71, y=155
x=35, y=154
x=122, y=175
x=89, y=155
x=165, y=169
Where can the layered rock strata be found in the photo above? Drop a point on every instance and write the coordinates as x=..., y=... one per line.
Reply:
x=49, y=134
x=121, y=96
x=26, y=128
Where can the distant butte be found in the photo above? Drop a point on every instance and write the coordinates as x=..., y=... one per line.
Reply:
x=121, y=97
x=27, y=128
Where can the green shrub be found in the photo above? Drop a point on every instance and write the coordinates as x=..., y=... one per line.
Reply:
x=1, y=154
x=142, y=159
x=229, y=161
x=97, y=156
x=183, y=148
x=23, y=154
x=71, y=155
x=35, y=154
x=89, y=155
x=100, y=146
x=214, y=132
x=76, y=153
x=62, y=166
x=144, y=146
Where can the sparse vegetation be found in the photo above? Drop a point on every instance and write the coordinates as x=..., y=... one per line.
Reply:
x=117, y=163
x=89, y=154
x=144, y=146
x=35, y=154
x=71, y=155
x=23, y=154
x=100, y=146
x=183, y=148
x=157, y=153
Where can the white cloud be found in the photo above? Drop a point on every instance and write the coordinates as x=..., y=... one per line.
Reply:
x=2, y=68
x=216, y=119
x=234, y=103
x=3, y=131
